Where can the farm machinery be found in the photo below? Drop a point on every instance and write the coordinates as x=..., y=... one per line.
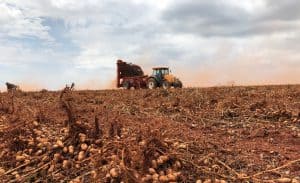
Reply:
x=132, y=76
x=12, y=87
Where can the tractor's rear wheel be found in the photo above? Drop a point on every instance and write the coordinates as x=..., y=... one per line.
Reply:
x=178, y=84
x=166, y=85
x=126, y=85
x=152, y=83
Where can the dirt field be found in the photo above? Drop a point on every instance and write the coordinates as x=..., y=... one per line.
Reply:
x=224, y=134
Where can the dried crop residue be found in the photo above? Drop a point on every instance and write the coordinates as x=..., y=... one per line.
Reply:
x=224, y=134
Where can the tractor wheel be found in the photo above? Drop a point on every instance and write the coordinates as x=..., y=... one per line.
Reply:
x=166, y=85
x=152, y=83
x=126, y=85
x=178, y=84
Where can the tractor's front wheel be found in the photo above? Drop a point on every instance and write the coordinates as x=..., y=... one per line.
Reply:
x=152, y=83
x=166, y=85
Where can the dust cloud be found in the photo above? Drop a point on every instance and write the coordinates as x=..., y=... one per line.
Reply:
x=26, y=86
x=241, y=72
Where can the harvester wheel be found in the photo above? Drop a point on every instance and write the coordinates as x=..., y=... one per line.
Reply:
x=152, y=83
x=166, y=85
x=126, y=85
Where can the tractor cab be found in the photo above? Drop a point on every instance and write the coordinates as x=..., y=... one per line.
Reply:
x=160, y=72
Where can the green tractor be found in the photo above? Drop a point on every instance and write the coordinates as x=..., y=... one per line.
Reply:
x=161, y=77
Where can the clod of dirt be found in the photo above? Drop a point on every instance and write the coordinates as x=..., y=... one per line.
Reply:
x=262, y=132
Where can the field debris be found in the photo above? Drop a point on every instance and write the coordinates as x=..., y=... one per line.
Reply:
x=11, y=87
x=201, y=135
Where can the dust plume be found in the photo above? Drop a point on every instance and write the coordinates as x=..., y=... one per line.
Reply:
x=110, y=84
x=242, y=71
x=90, y=84
x=29, y=85
x=223, y=69
x=95, y=84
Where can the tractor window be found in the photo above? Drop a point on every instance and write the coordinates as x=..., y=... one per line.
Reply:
x=160, y=71
x=165, y=71
x=154, y=72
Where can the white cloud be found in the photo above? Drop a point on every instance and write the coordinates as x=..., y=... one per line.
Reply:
x=16, y=23
x=249, y=5
x=168, y=32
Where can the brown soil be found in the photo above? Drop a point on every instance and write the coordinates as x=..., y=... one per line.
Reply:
x=224, y=134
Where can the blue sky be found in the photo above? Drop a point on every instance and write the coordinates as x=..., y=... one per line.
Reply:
x=46, y=44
